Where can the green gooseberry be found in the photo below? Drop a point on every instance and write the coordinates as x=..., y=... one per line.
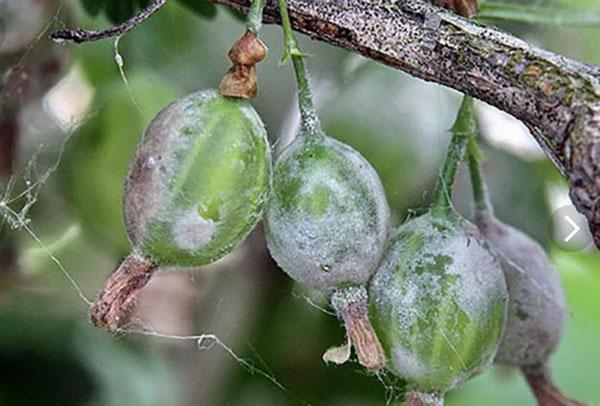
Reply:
x=196, y=188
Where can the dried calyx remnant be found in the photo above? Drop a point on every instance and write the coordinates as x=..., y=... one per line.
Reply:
x=545, y=390
x=351, y=306
x=241, y=79
x=121, y=291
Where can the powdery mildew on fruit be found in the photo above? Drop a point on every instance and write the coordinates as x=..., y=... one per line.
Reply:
x=537, y=308
x=330, y=224
x=146, y=187
x=192, y=231
x=199, y=181
x=406, y=364
x=439, y=302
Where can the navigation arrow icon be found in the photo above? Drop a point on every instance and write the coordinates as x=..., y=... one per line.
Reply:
x=568, y=229
x=576, y=228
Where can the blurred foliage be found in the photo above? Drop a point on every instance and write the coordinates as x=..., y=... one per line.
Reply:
x=49, y=355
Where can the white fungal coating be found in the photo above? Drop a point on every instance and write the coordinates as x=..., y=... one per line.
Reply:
x=199, y=180
x=537, y=308
x=160, y=147
x=328, y=218
x=192, y=231
x=438, y=303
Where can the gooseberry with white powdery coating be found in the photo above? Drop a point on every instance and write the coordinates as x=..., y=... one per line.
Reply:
x=537, y=308
x=196, y=188
x=327, y=220
x=438, y=300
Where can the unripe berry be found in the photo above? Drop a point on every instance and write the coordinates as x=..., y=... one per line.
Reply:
x=536, y=312
x=438, y=303
x=327, y=224
x=537, y=309
x=328, y=218
x=199, y=180
x=196, y=188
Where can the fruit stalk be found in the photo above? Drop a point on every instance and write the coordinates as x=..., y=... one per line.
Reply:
x=483, y=206
x=254, y=17
x=463, y=126
x=311, y=125
x=117, y=299
x=350, y=304
x=543, y=387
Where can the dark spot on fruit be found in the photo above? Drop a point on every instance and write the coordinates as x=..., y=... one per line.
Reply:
x=521, y=314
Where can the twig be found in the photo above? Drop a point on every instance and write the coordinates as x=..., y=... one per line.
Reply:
x=80, y=35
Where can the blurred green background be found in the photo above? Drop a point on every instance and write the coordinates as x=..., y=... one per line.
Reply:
x=276, y=331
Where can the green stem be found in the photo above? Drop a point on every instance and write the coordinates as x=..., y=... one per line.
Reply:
x=480, y=194
x=255, y=15
x=311, y=125
x=463, y=128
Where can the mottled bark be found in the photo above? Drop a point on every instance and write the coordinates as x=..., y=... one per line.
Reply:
x=557, y=98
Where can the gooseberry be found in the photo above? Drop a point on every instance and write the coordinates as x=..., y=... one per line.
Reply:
x=438, y=299
x=196, y=188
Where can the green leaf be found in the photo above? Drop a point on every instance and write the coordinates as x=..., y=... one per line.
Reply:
x=202, y=7
x=523, y=13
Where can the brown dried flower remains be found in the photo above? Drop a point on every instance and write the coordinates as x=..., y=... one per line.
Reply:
x=241, y=79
